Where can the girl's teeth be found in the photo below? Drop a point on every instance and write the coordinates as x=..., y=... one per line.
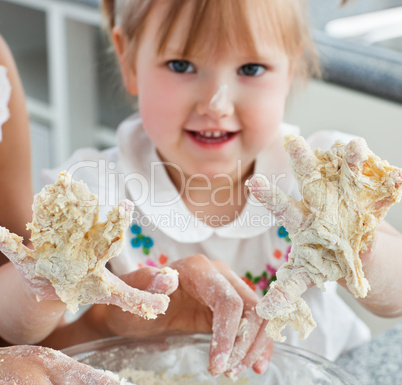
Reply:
x=210, y=134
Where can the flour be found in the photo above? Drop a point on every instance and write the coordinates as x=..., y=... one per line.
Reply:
x=150, y=377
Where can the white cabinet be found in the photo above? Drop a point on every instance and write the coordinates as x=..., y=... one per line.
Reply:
x=71, y=81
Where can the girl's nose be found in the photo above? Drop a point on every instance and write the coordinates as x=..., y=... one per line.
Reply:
x=219, y=106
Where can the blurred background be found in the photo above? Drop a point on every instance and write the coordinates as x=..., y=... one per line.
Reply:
x=75, y=98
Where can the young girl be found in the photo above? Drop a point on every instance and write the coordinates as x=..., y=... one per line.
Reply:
x=212, y=79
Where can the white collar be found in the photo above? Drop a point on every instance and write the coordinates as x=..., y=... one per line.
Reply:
x=157, y=198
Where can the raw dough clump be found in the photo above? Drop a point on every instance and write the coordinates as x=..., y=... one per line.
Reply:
x=346, y=192
x=71, y=246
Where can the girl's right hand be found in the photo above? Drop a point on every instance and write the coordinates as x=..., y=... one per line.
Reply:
x=210, y=298
x=24, y=364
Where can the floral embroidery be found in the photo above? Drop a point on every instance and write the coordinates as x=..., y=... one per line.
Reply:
x=277, y=254
x=162, y=260
x=283, y=233
x=262, y=281
x=286, y=256
x=141, y=240
x=248, y=278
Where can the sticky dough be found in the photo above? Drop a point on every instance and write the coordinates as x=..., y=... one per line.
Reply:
x=346, y=192
x=72, y=247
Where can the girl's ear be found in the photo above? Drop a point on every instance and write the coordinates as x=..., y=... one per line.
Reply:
x=128, y=72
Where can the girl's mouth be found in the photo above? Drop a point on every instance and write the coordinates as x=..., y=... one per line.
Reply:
x=211, y=136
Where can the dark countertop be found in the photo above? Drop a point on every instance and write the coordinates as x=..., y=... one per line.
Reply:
x=378, y=362
x=374, y=69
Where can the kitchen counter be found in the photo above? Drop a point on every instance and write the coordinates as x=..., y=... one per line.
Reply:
x=378, y=362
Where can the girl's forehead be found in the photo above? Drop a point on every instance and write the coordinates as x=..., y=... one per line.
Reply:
x=219, y=26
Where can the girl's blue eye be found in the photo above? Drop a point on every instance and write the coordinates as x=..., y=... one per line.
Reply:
x=181, y=66
x=251, y=69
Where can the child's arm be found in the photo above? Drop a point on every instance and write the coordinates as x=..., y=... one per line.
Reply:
x=24, y=320
x=43, y=366
x=210, y=298
x=382, y=267
x=15, y=157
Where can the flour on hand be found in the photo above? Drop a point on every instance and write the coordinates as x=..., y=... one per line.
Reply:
x=346, y=192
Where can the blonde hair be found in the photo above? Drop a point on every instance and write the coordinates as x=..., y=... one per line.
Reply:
x=212, y=22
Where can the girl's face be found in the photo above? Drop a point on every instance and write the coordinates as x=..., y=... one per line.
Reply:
x=175, y=100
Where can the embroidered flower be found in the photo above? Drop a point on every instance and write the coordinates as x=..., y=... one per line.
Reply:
x=286, y=255
x=271, y=270
x=141, y=240
x=283, y=233
x=148, y=242
x=249, y=282
x=150, y=262
x=277, y=254
x=163, y=259
x=263, y=282
x=135, y=229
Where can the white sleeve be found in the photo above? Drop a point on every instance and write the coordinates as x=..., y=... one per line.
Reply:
x=5, y=93
x=83, y=165
x=325, y=139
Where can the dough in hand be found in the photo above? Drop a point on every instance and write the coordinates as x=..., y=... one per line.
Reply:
x=346, y=192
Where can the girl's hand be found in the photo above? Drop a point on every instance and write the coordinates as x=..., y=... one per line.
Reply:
x=72, y=248
x=25, y=364
x=346, y=192
x=210, y=297
x=128, y=298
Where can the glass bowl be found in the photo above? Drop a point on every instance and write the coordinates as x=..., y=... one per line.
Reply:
x=183, y=359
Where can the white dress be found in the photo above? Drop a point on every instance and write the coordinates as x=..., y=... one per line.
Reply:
x=164, y=230
x=5, y=93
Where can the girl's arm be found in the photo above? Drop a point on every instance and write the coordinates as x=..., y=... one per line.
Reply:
x=23, y=319
x=43, y=366
x=15, y=157
x=383, y=269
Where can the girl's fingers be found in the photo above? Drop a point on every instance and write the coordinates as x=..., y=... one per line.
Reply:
x=282, y=206
x=356, y=153
x=12, y=247
x=250, y=323
x=202, y=280
x=153, y=280
x=259, y=356
x=138, y=302
x=302, y=160
x=22, y=257
x=282, y=293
